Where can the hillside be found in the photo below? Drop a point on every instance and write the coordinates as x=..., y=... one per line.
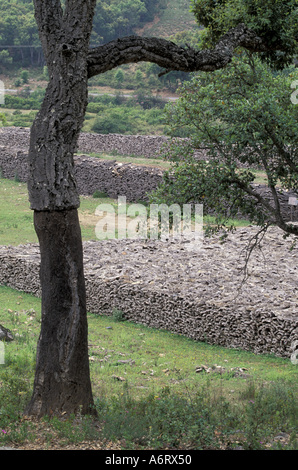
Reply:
x=142, y=114
x=176, y=17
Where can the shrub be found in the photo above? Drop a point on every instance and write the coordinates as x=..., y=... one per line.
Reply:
x=25, y=76
x=99, y=194
x=118, y=315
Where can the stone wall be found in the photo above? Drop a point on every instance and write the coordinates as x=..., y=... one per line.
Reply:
x=193, y=291
x=115, y=179
x=168, y=285
x=141, y=145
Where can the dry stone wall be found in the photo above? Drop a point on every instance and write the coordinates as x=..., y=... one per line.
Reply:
x=193, y=291
x=92, y=174
x=142, y=145
x=113, y=178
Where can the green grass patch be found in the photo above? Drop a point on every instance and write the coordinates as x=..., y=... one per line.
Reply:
x=133, y=159
x=174, y=18
x=16, y=217
x=146, y=388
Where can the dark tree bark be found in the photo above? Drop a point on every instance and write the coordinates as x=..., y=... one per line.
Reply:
x=169, y=55
x=62, y=380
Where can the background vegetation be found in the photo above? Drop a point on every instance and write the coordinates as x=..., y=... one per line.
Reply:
x=137, y=94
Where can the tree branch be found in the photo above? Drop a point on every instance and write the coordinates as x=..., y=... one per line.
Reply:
x=282, y=152
x=168, y=55
x=275, y=212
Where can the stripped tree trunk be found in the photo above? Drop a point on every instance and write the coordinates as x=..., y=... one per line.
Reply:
x=62, y=378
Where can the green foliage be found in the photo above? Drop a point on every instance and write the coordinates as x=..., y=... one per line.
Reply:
x=25, y=76
x=2, y=119
x=99, y=194
x=119, y=77
x=114, y=121
x=17, y=23
x=145, y=77
x=118, y=315
x=18, y=82
x=202, y=421
x=112, y=19
x=241, y=116
x=5, y=59
x=18, y=26
x=45, y=73
x=188, y=38
x=19, y=102
x=276, y=21
x=263, y=413
x=118, y=115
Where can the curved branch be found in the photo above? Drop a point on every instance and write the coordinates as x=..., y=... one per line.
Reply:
x=170, y=56
x=275, y=212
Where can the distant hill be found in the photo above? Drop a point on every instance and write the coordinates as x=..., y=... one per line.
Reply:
x=20, y=46
x=176, y=17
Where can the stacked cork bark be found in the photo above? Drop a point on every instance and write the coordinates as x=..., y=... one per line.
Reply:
x=193, y=291
x=109, y=177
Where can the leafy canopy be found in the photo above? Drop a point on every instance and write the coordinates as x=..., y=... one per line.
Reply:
x=112, y=19
x=241, y=117
x=275, y=21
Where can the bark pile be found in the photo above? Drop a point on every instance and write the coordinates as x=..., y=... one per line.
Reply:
x=116, y=179
x=195, y=291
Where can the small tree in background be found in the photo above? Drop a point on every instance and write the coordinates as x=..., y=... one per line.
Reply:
x=241, y=117
x=119, y=78
x=25, y=76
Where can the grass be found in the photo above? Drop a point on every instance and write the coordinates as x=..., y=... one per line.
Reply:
x=133, y=159
x=16, y=217
x=146, y=388
x=175, y=17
